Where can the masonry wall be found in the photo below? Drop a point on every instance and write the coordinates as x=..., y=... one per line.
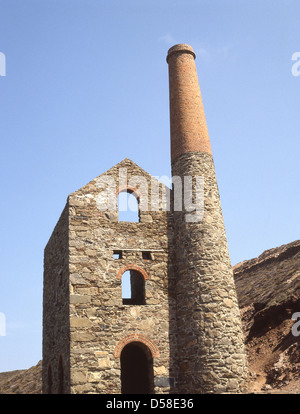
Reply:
x=190, y=321
x=100, y=324
x=210, y=339
x=56, y=341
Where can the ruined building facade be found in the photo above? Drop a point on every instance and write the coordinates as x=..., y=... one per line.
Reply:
x=179, y=330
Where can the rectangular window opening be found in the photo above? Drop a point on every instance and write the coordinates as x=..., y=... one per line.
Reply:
x=147, y=255
x=117, y=254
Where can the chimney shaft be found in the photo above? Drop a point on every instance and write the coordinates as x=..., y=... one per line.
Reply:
x=209, y=331
x=187, y=119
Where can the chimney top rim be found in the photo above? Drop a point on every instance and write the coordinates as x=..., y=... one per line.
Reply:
x=181, y=48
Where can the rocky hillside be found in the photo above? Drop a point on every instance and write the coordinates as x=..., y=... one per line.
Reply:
x=268, y=289
x=26, y=381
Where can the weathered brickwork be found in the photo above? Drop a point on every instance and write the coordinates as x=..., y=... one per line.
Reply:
x=181, y=323
x=187, y=118
x=136, y=337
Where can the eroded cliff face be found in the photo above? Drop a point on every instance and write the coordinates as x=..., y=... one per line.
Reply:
x=268, y=289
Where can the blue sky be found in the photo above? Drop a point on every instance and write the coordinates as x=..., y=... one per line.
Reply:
x=86, y=85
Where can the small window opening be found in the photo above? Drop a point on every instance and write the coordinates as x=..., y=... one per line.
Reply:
x=128, y=207
x=133, y=288
x=147, y=256
x=117, y=254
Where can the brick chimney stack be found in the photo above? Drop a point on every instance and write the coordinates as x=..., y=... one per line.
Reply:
x=211, y=354
x=187, y=118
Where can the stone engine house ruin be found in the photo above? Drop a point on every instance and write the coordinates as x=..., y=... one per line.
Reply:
x=178, y=328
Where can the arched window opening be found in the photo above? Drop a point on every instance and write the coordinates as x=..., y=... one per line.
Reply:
x=133, y=288
x=128, y=207
x=136, y=369
x=49, y=380
x=60, y=376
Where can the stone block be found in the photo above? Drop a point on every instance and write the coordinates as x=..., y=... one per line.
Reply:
x=74, y=299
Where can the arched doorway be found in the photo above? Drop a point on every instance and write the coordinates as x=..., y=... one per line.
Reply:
x=137, y=369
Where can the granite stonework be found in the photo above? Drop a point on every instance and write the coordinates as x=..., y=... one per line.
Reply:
x=189, y=319
x=211, y=350
x=93, y=318
x=56, y=317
